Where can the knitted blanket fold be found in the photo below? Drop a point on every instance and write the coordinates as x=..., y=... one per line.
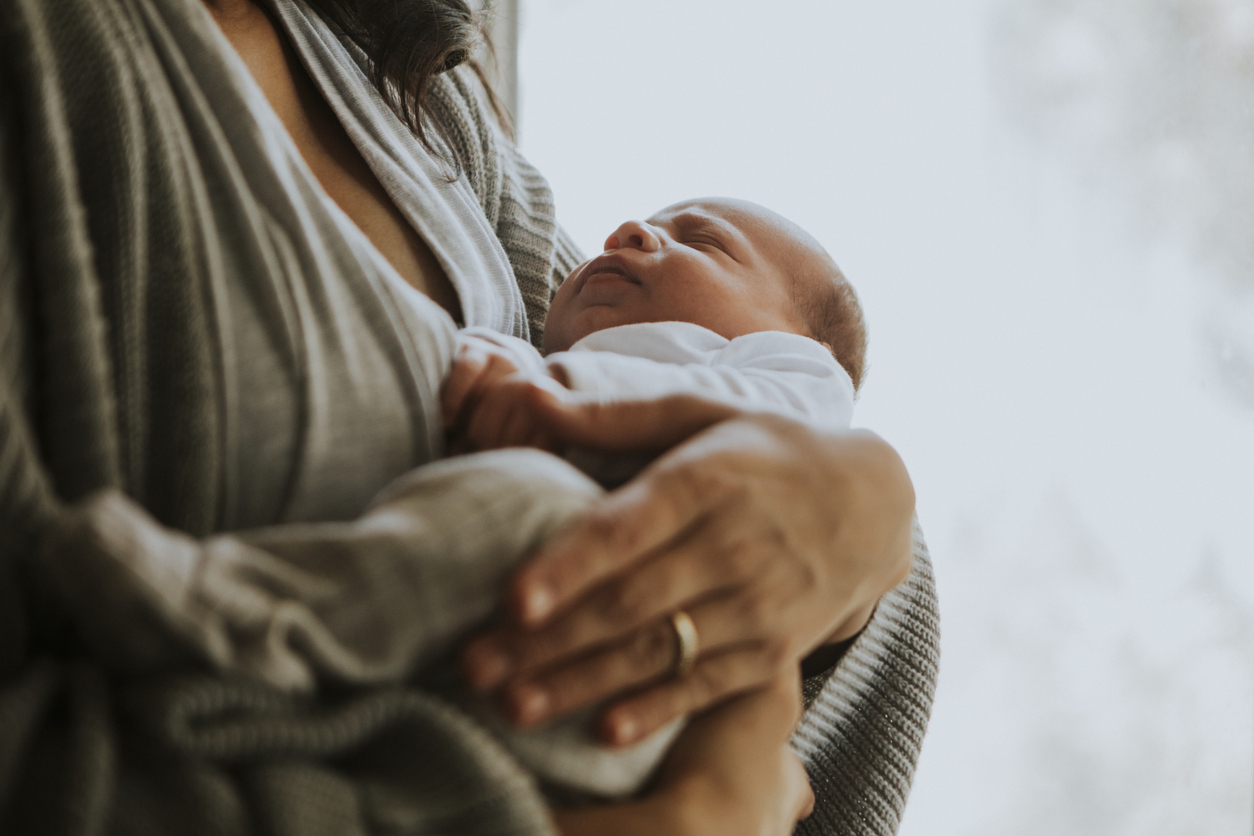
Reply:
x=156, y=249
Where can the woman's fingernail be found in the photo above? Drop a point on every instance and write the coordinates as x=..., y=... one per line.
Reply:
x=623, y=729
x=537, y=604
x=530, y=703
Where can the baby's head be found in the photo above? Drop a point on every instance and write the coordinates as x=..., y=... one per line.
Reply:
x=728, y=265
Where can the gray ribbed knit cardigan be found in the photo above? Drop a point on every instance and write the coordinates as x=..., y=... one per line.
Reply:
x=111, y=378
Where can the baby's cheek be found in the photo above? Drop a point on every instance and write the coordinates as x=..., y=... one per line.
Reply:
x=556, y=323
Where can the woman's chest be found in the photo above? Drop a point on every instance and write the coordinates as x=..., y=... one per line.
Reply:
x=329, y=152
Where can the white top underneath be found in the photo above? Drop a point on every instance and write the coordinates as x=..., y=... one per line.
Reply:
x=768, y=370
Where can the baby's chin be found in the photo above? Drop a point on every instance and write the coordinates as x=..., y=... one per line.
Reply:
x=560, y=335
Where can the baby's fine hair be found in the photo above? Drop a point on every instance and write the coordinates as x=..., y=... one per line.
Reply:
x=830, y=309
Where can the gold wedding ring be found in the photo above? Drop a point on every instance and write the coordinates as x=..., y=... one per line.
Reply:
x=687, y=644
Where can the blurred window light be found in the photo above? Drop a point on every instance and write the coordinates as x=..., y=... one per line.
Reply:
x=1046, y=207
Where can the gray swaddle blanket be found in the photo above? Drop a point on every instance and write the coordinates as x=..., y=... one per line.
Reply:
x=378, y=600
x=187, y=322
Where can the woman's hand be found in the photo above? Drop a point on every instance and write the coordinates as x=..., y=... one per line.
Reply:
x=773, y=536
x=730, y=773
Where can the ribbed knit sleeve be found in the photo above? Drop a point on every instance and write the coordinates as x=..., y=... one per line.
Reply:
x=515, y=197
x=566, y=257
x=861, y=735
x=25, y=490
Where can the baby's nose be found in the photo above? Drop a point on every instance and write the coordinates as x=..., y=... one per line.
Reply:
x=633, y=235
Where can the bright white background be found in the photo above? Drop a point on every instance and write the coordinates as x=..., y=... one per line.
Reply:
x=1044, y=207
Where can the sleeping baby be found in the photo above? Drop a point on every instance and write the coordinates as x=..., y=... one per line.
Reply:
x=720, y=298
x=714, y=297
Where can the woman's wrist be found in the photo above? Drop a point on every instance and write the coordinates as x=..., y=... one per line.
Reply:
x=660, y=813
x=687, y=805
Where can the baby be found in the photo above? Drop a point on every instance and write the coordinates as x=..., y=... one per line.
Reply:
x=716, y=297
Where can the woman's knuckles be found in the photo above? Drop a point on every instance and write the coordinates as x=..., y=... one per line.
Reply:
x=602, y=542
x=623, y=604
x=554, y=650
x=647, y=654
x=610, y=615
x=739, y=559
x=697, y=485
x=621, y=613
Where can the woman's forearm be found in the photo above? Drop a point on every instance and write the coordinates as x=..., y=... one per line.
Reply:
x=883, y=524
x=632, y=819
x=731, y=773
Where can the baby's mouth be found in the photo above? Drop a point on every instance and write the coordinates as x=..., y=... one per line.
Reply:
x=606, y=268
x=610, y=273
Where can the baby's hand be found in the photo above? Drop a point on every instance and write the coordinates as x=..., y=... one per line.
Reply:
x=477, y=366
x=510, y=413
x=487, y=402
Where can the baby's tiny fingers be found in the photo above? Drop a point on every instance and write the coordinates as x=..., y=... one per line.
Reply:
x=460, y=381
x=517, y=428
x=487, y=423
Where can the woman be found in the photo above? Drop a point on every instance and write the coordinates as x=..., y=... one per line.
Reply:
x=230, y=280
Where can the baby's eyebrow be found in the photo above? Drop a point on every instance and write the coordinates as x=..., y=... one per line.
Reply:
x=689, y=221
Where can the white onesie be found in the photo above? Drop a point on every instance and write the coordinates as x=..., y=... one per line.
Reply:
x=768, y=370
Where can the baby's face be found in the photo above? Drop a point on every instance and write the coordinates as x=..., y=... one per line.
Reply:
x=718, y=263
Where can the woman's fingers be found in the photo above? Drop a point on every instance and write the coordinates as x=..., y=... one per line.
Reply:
x=646, y=656
x=700, y=568
x=773, y=537
x=715, y=678
x=734, y=654
x=629, y=524
x=650, y=659
x=737, y=589
x=652, y=510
